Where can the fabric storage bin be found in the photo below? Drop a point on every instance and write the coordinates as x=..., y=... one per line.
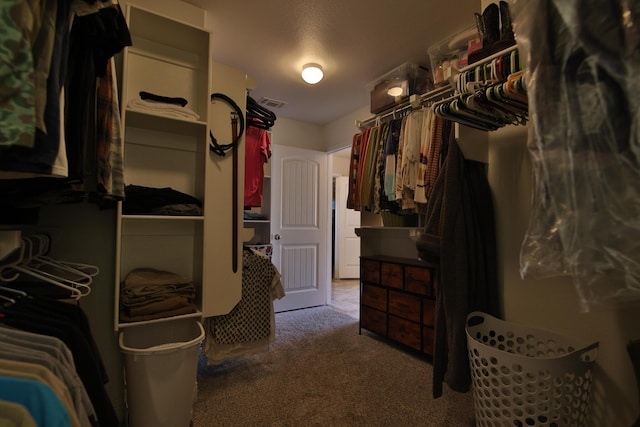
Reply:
x=522, y=376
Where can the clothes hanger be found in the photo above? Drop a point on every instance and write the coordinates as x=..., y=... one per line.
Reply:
x=75, y=293
x=85, y=270
x=258, y=116
x=22, y=265
x=56, y=268
x=13, y=259
x=16, y=292
x=6, y=301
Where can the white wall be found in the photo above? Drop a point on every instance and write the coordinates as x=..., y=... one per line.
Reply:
x=294, y=133
x=339, y=133
x=340, y=165
x=552, y=303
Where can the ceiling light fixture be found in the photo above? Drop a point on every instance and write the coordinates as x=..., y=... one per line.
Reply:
x=395, y=91
x=312, y=73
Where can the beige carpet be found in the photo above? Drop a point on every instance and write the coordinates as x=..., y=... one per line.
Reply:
x=321, y=372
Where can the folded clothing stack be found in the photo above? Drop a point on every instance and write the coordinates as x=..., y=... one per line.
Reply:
x=165, y=105
x=140, y=200
x=147, y=293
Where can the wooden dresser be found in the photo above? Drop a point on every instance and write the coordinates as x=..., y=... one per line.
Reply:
x=397, y=300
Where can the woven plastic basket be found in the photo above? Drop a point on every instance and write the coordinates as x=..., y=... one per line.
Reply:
x=523, y=376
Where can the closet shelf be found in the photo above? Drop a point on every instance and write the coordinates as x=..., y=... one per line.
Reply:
x=450, y=94
x=488, y=59
x=148, y=119
x=414, y=101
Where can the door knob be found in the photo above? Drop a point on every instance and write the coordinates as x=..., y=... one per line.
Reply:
x=277, y=237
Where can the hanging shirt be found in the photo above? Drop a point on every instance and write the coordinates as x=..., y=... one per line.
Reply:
x=353, y=171
x=411, y=156
x=17, y=82
x=425, y=144
x=257, y=153
x=38, y=398
x=390, y=153
x=378, y=176
x=368, y=169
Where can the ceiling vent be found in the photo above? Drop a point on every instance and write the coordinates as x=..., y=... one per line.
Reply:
x=271, y=103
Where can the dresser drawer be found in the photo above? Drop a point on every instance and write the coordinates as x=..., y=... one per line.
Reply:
x=391, y=275
x=404, y=305
x=404, y=332
x=373, y=320
x=370, y=270
x=428, y=311
x=374, y=296
x=418, y=280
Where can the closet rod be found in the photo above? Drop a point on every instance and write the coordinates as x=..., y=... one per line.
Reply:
x=414, y=101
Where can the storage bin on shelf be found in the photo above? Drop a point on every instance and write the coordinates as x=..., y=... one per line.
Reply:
x=450, y=55
x=523, y=376
x=397, y=85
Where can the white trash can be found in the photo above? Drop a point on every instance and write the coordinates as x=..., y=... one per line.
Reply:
x=161, y=364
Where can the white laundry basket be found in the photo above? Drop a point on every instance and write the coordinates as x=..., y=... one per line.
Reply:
x=161, y=363
x=523, y=376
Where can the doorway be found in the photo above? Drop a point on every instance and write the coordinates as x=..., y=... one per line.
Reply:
x=345, y=284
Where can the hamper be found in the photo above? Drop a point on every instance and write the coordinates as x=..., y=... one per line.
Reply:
x=160, y=364
x=523, y=376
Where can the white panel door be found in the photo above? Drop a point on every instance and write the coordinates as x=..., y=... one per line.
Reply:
x=299, y=225
x=347, y=244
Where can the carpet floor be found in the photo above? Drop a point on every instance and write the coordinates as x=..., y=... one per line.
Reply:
x=321, y=372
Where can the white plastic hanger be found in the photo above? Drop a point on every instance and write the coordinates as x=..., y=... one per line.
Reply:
x=21, y=265
x=85, y=271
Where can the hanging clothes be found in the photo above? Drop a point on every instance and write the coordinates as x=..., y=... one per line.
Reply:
x=354, y=159
x=257, y=153
x=45, y=351
x=250, y=326
x=459, y=235
x=584, y=94
x=72, y=82
x=43, y=159
x=391, y=154
x=409, y=165
x=368, y=169
x=377, y=177
x=18, y=100
x=69, y=324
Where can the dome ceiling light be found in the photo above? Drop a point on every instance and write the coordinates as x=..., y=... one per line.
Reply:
x=312, y=73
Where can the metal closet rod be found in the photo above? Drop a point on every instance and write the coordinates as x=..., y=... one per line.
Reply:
x=414, y=101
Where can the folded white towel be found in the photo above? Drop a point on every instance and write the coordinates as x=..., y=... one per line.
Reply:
x=163, y=108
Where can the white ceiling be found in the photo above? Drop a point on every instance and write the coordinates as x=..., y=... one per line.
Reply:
x=356, y=42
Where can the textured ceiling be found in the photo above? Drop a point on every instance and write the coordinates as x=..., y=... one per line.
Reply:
x=356, y=41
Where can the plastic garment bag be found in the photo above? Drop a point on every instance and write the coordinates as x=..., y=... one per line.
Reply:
x=582, y=59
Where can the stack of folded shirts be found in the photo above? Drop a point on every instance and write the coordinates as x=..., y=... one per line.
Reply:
x=147, y=293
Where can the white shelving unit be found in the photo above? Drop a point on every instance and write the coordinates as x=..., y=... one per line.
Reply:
x=168, y=58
